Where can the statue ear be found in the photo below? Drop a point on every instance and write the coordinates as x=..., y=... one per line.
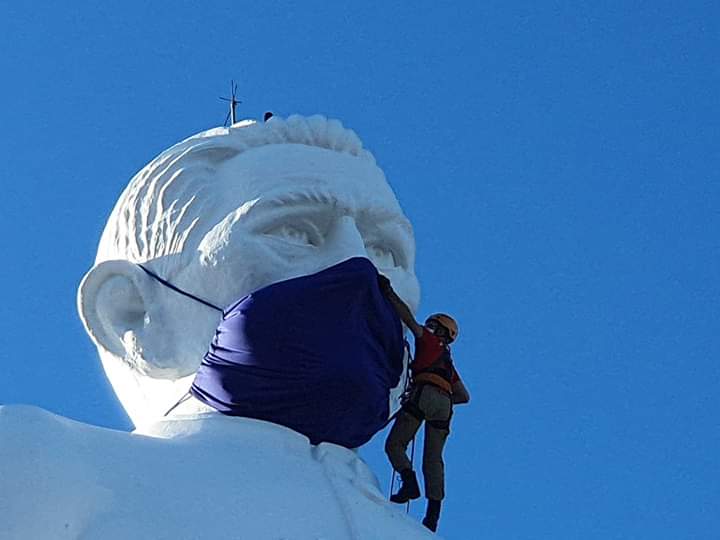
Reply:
x=115, y=302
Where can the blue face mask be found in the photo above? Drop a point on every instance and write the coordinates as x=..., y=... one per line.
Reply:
x=318, y=354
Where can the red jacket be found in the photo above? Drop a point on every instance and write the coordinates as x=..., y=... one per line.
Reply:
x=428, y=348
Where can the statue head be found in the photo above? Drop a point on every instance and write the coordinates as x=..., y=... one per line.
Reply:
x=222, y=214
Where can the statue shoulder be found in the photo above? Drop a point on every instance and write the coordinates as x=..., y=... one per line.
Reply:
x=23, y=428
x=42, y=475
x=33, y=442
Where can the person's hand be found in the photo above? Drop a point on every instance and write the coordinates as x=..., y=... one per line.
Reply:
x=384, y=284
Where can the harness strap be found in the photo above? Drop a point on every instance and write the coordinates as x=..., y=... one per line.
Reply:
x=412, y=405
x=413, y=410
x=425, y=377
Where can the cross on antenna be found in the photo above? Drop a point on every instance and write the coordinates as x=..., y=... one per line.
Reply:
x=233, y=103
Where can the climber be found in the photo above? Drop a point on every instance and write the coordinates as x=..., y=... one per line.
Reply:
x=435, y=387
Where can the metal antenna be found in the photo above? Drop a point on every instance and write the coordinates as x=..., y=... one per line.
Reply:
x=233, y=103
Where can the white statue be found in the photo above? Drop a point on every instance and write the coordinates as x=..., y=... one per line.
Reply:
x=220, y=214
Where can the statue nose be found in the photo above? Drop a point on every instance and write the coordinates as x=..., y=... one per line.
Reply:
x=345, y=239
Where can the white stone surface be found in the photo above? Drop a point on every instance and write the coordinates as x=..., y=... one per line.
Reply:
x=193, y=477
x=220, y=214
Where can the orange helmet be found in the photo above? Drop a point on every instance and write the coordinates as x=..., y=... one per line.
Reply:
x=447, y=322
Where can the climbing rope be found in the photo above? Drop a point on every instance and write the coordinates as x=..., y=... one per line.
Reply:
x=412, y=465
x=402, y=400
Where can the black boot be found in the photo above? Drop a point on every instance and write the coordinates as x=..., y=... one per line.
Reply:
x=409, y=490
x=432, y=515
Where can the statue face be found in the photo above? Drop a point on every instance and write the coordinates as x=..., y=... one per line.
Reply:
x=291, y=210
x=278, y=211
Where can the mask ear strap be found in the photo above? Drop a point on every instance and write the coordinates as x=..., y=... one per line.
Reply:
x=180, y=291
x=179, y=402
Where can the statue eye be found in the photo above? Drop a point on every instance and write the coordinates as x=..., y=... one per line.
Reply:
x=299, y=235
x=382, y=256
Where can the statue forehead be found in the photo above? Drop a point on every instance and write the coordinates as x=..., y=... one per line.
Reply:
x=278, y=169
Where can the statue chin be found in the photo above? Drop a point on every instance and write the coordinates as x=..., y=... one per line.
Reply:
x=230, y=222
x=144, y=398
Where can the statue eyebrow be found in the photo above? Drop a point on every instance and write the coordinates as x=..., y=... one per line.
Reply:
x=326, y=198
x=315, y=196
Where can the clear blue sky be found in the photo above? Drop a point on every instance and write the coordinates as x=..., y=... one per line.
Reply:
x=560, y=164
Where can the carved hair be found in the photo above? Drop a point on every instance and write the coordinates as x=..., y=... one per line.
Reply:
x=162, y=204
